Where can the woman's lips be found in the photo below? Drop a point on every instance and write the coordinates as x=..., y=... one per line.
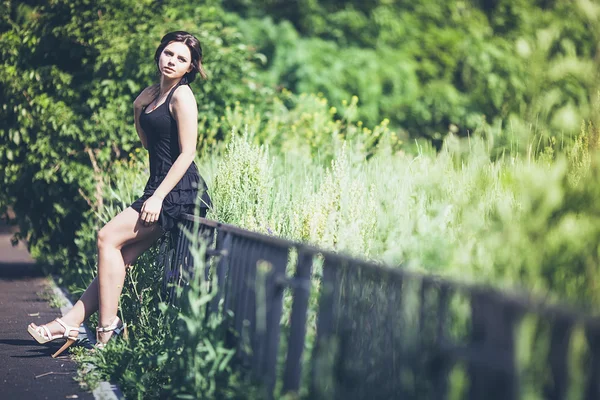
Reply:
x=168, y=69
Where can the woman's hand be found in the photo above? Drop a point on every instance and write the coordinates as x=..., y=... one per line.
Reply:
x=146, y=96
x=151, y=210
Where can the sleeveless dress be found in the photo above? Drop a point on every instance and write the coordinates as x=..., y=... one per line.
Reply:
x=163, y=149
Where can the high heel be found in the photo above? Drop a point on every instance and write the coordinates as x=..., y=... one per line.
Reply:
x=117, y=327
x=65, y=346
x=43, y=335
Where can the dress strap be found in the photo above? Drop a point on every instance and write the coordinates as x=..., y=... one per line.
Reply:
x=168, y=100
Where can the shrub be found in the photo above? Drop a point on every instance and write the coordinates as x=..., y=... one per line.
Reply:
x=69, y=74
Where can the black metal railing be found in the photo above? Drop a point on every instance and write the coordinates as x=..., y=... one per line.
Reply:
x=385, y=333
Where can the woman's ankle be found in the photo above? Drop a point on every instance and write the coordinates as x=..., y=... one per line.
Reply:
x=105, y=331
x=71, y=322
x=103, y=337
x=113, y=323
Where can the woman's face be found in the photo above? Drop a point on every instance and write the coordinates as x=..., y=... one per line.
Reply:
x=175, y=60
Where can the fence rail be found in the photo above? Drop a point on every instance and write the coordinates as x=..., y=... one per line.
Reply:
x=385, y=333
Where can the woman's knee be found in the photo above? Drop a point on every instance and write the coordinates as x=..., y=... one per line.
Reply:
x=103, y=238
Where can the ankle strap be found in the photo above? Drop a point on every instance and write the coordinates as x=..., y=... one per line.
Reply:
x=110, y=328
x=107, y=329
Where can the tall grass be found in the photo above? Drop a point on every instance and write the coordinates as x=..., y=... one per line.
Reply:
x=457, y=213
x=513, y=220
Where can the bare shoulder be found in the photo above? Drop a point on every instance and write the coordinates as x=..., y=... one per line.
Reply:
x=183, y=95
x=183, y=102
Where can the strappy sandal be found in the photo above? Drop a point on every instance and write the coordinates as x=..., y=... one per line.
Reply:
x=43, y=335
x=117, y=327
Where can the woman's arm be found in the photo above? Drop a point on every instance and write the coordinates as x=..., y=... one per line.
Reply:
x=185, y=112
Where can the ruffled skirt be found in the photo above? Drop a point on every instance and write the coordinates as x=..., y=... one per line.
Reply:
x=181, y=199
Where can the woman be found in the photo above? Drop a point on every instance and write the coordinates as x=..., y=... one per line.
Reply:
x=166, y=120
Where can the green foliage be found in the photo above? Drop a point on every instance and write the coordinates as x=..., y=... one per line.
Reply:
x=436, y=67
x=512, y=205
x=68, y=77
x=548, y=241
x=511, y=222
x=306, y=126
x=170, y=351
x=197, y=361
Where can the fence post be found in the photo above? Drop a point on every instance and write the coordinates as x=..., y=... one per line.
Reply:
x=207, y=234
x=492, y=368
x=266, y=350
x=293, y=369
x=592, y=334
x=322, y=360
x=245, y=272
x=223, y=250
x=556, y=389
x=442, y=361
x=173, y=272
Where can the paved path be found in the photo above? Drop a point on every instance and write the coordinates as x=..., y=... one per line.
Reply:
x=26, y=369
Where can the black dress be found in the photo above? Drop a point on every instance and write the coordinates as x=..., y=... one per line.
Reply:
x=163, y=149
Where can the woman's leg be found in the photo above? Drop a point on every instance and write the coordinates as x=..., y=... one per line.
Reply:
x=89, y=302
x=124, y=229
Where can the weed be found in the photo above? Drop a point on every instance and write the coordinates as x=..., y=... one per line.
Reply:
x=53, y=299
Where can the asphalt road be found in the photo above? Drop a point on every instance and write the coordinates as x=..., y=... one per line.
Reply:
x=27, y=371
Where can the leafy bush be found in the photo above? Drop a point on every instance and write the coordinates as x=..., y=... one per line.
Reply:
x=69, y=74
x=511, y=222
x=435, y=67
x=512, y=205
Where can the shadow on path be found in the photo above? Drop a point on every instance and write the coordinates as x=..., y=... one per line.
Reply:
x=27, y=370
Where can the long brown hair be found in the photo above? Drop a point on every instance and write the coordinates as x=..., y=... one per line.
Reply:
x=195, y=50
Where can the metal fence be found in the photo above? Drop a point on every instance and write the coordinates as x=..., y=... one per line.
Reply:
x=376, y=332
